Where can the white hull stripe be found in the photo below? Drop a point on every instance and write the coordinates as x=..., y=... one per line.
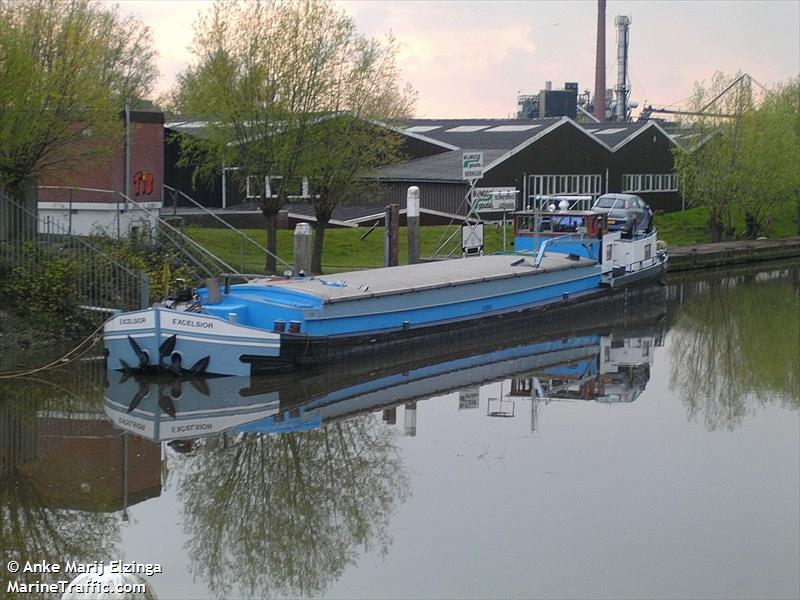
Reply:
x=181, y=336
x=275, y=344
x=269, y=407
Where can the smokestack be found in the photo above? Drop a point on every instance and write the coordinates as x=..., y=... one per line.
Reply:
x=622, y=23
x=600, y=64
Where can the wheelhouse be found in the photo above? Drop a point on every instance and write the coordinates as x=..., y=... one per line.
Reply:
x=566, y=231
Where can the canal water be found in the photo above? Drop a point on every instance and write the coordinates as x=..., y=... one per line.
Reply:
x=648, y=448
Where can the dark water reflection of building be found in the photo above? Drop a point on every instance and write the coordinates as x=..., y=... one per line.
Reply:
x=66, y=474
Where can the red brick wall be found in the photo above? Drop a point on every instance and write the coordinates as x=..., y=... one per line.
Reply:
x=73, y=452
x=107, y=172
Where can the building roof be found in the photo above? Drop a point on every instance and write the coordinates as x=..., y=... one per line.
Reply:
x=506, y=134
x=439, y=167
x=485, y=134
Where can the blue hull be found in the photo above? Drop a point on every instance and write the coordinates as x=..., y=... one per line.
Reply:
x=279, y=324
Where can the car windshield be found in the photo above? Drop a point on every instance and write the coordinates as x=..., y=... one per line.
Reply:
x=609, y=203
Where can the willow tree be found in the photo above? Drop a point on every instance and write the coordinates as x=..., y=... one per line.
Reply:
x=771, y=179
x=66, y=69
x=747, y=162
x=735, y=349
x=364, y=99
x=710, y=173
x=285, y=515
x=272, y=79
x=258, y=78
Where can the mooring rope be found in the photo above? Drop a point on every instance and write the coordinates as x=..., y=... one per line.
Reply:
x=60, y=362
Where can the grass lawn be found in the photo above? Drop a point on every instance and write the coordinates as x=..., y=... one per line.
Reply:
x=691, y=226
x=345, y=250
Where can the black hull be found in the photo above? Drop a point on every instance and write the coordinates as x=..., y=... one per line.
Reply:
x=556, y=318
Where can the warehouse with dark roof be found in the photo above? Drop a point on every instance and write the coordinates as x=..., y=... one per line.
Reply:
x=530, y=157
x=537, y=157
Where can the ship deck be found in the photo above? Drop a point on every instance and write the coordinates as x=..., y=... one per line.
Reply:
x=369, y=283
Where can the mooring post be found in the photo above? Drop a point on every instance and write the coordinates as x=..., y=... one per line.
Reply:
x=302, y=248
x=412, y=224
x=391, y=239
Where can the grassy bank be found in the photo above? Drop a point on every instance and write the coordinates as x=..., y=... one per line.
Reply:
x=345, y=250
x=691, y=226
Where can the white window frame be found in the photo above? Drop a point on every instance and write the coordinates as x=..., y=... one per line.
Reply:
x=564, y=185
x=649, y=182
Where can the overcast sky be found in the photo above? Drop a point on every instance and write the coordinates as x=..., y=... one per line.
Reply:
x=471, y=59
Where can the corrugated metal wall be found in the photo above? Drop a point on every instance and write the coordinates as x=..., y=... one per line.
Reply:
x=444, y=197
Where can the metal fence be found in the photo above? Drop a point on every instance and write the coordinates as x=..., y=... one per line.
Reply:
x=36, y=252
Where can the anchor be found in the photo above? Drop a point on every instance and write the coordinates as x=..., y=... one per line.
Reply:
x=144, y=358
x=166, y=347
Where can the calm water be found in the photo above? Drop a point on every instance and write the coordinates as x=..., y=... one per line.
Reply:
x=647, y=449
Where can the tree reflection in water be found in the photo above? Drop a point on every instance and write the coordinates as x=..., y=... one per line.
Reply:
x=735, y=349
x=285, y=514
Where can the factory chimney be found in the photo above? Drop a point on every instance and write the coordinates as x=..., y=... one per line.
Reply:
x=600, y=64
x=623, y=23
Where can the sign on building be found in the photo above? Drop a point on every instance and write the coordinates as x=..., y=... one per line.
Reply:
x=472, y=165
x=494, y=199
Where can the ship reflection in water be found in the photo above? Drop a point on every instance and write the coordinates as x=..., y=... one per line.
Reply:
x=602, y=366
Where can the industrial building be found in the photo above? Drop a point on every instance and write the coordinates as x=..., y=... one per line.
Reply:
x=538, y=157
x=528, y=157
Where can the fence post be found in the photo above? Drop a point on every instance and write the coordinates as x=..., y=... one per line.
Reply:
x=144, y=290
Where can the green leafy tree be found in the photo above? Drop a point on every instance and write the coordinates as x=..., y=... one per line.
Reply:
x=258, y=80
x=734, y=349
x=273, y=81
x=747, y=161
x=771, y=152
x=710, y=173
x=66, y=69
x=364, y=100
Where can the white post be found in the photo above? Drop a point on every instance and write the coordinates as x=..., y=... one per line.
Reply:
x=504, y=230
x=302, y=248
x=410, y=419
x=412, y=224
